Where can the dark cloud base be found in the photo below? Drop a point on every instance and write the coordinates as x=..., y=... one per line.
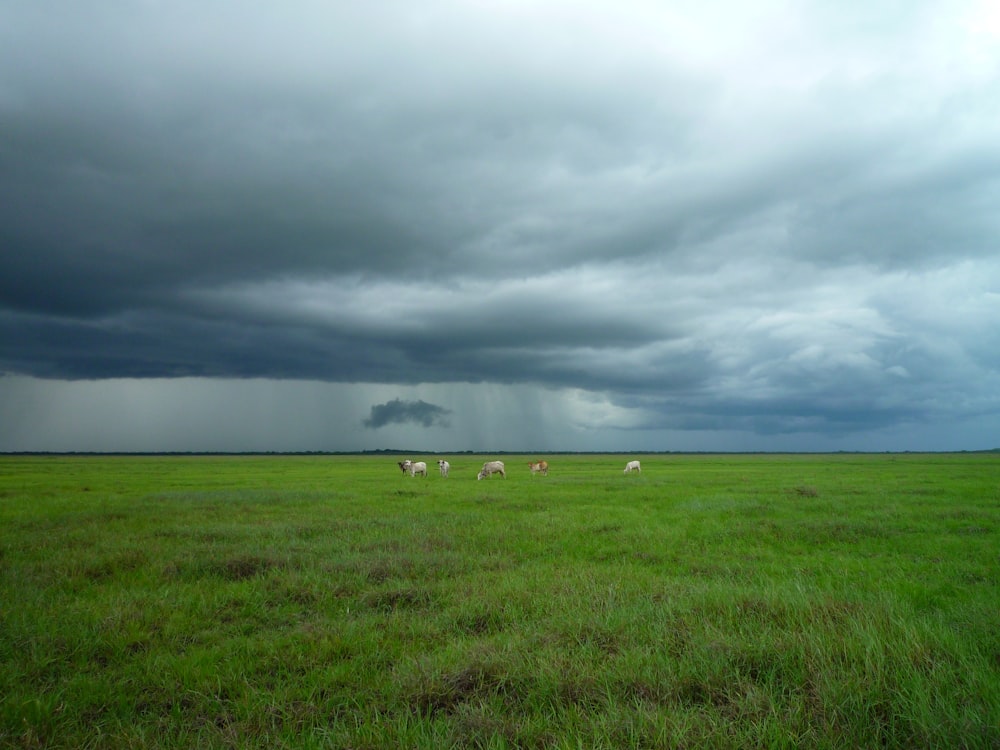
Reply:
x=400, y=412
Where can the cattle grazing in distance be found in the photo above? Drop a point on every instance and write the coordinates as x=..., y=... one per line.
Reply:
x=404, y=466
x=418, y=467
x=490, y=468
x=539, y=467
x=633, y=466
x=443, y=467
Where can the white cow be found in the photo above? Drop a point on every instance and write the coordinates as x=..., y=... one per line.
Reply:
x=418, y=468
x=490, y=468
x=443, y=466
x=633, y=466
x=541, y=467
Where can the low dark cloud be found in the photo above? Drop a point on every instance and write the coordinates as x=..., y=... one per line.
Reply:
x=400, y=412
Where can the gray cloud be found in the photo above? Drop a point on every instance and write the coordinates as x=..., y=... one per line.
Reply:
x=783, y=226
x=399, y=412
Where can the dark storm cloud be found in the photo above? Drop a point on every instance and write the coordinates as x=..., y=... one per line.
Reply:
x=401, y=412
x=714, y=226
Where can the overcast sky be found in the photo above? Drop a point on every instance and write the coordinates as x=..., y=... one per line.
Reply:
x=499, y=225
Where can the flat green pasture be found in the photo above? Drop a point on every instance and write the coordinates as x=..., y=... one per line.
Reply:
x=731, y=601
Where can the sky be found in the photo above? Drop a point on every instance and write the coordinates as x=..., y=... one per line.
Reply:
x=499, y=225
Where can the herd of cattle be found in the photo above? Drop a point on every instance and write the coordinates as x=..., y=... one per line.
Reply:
x=490, y=468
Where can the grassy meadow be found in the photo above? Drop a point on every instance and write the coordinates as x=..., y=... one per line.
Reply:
x=732, y=601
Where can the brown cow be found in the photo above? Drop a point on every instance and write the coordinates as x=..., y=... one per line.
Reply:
x=537, y=467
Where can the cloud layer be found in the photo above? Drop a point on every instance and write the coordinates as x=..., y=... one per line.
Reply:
x=781, y=224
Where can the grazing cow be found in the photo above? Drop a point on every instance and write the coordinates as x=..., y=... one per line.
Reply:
x=404, y=466
x=633, y=466
x=490, y=468
x=444, y=466
x=539, y=467
x=418, y=468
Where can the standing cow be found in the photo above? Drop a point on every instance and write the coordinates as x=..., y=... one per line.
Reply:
x=633, y=466
x=418, y=468
x=404, y=466
x=443, y=467
x=490, y=468
x=539, y=467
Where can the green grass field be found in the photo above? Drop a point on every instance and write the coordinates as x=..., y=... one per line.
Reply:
x=328, y=601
